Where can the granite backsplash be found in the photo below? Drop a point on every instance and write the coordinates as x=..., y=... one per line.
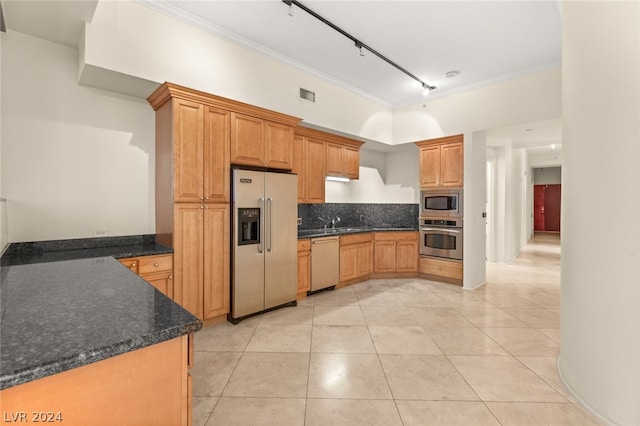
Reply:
x=357, y=215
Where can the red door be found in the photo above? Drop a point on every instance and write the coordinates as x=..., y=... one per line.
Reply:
x=538, y=207
x=552, y=208
x=546, y=207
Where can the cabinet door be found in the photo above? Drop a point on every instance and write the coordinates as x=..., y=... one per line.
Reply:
x=247, y=140
x=430, y=166
x=314, y=161
x=365, y=260
x=278, y=140
x=187, y=262
x=216, y=260
x=451, y=165
x=350, y=162
x=348, y=262
x=216, y=155
x=304, y=265
x=333, y=159
x=297, y=166
x=162, y=281
x=407, y=256
x=188, y=145
x=385, y=256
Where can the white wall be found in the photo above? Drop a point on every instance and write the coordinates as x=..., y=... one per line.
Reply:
x=131, y=39
x=511, y=223
x=547, y=176
x=74, y=159
x=4, y=220
x=600, y=312
x=384, y=178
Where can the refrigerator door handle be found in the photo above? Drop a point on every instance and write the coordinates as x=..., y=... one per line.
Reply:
x=261, y=225
x=270, y=219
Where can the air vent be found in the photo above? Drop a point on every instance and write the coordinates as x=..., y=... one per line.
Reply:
x=307, y=95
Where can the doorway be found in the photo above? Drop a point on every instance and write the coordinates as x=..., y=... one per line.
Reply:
x=546, y=207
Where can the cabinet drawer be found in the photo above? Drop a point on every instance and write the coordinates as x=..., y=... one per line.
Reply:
x=397, y=236
x=355, y=238
x=131, y=263
x=151, y=264
x=304, y=245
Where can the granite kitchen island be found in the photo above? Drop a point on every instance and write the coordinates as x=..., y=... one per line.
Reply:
x=86, y=341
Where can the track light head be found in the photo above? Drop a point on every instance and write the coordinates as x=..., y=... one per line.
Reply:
x=427, y=89
x=359, y=47
x=290, y=4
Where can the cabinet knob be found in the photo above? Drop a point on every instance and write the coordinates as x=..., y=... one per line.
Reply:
x=156, y=265
x=133, y=264
x=170, y=277
x=202, y=207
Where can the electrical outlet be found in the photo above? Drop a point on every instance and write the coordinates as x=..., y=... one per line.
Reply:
x=100, y=232
x=299, y=221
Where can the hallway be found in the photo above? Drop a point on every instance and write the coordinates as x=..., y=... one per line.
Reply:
x=397, y=352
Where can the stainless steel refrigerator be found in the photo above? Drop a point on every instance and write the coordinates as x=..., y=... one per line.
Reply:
x=265, y=251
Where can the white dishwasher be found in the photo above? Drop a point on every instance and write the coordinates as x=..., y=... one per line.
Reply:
x=325, y=263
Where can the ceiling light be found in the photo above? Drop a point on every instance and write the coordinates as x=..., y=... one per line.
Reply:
x=553, y=147
x=360, y=45
x=452, y=73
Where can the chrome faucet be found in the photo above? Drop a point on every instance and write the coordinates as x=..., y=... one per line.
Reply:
x=323, y=221
x=331, y=221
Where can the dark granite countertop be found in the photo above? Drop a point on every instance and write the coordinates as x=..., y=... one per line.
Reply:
x=316, y=233
x=82, y=248
x=56, y=316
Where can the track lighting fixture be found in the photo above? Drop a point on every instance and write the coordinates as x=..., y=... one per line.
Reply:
x=359, y=44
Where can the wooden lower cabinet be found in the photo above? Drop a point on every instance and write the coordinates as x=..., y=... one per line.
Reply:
x=356, y=256
x=304, y=266
x=201, y=258
x=157, y=270
x=396, y=251
x=147, y=386
x=449, y=269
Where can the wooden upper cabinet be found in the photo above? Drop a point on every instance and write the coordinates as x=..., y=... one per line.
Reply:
x=262, y=143
x=278, y=143
x=188, y=149
x=442, y=162
x=333, y=158
x=247, y=140
x=451, y=164
x=216, y=155
x=200, y=153
x=351, y=162
x=343, y=159
x=314, y=169
x=309, y=165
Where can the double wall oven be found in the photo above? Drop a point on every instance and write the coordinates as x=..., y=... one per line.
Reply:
x=441, y=230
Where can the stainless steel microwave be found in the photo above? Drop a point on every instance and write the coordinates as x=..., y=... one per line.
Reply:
x=441, y=202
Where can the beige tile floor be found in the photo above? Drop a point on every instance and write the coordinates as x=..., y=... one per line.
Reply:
x=396, y=352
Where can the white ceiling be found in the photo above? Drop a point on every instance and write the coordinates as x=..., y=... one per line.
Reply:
x=487, y=41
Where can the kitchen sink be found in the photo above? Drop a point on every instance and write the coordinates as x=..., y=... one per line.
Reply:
x=328, y=231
